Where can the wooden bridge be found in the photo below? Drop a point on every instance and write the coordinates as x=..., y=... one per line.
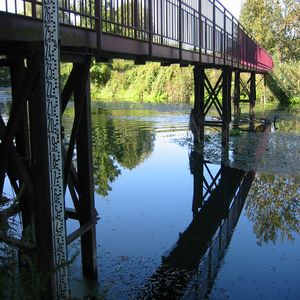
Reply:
x=189, y=32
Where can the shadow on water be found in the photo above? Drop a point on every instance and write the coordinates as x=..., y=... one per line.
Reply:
x=189, y=269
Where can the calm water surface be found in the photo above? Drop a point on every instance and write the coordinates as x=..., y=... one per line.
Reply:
x=157, y=239
x=151, y=245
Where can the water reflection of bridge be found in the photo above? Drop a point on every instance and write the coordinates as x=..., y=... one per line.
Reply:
x=190, y=267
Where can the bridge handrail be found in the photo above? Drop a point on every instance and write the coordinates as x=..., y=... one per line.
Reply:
x=201, y=26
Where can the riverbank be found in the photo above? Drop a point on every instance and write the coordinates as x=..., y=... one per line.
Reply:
x=122, y=80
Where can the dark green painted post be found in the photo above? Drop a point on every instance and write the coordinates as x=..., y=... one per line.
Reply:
x=197, y=115
x=236, y=97
x=86, y=185
x=226, y=105
x=252, y=94
x=41, y=185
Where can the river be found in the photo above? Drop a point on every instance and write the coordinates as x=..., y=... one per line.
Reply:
x=157, y=238
x=144, y=196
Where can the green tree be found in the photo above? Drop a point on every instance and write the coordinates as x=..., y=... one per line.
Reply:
x=275, y=24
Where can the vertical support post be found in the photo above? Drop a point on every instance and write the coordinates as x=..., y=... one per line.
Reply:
x=226, y=105
x=252, y=94
x=41, y=186
x=86, y=185
x=52, y=135
x=198, y=110
x=265, y=87
x=236, y=96
x=22, y=139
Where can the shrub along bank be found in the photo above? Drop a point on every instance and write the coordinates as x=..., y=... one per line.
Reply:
x=123, y=80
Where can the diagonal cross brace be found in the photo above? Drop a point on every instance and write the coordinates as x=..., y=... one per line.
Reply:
x=213, y=95
x=24, y=92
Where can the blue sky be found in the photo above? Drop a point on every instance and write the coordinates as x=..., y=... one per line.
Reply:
x=234, y=6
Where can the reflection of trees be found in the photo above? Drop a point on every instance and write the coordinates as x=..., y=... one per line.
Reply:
x=274, y=207
x=105, y=167
x=117, y=142
x=131, y=145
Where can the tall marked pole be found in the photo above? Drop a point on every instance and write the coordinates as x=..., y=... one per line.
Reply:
x=53, y=111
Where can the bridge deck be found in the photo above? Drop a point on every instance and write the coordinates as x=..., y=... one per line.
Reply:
x=186, y=32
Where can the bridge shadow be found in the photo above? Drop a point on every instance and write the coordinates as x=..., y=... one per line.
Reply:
x=189, y=269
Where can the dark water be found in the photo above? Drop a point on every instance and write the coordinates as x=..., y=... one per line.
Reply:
x=191, y=223
x=150, y=242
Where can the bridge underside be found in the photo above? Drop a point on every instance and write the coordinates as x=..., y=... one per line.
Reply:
x=22, y=33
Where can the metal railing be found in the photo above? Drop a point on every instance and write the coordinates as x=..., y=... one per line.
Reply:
x=202, y=26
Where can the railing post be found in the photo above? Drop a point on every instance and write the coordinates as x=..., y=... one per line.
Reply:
x=135, y=17
x=98, y=23
x=200, y=30
x=33, y=9
x=150, y=25
x=232, y=53
x=180, y=30
x=214, y=31
x=239, y=47
x=224, y=51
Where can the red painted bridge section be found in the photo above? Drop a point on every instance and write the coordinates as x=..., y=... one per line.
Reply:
x=169, y=31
